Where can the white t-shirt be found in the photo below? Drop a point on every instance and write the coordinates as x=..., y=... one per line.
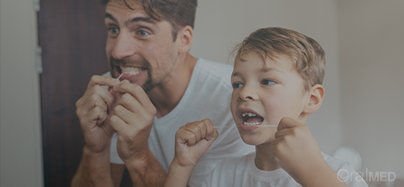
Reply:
x=207, y=96
x=241, y=171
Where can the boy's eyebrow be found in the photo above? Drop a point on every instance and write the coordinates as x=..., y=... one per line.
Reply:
x=262, y=70
x=235, y=74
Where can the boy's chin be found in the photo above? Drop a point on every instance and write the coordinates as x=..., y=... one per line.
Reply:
x=256, y=140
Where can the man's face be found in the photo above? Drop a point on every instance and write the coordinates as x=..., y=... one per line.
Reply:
x=263, y=93
x=140, y=48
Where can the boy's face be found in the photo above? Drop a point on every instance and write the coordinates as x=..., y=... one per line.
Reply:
x=263, y=93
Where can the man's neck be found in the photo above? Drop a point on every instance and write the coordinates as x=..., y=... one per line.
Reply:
x=168, y=94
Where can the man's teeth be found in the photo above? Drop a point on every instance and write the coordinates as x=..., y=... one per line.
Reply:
x=131, y=70
x=251, y=124
x=248, y=114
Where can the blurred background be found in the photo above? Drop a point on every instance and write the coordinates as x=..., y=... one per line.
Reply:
x=39, y=133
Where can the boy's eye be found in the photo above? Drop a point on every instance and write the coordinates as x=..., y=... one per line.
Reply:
x=237, y=85
x=267, y=82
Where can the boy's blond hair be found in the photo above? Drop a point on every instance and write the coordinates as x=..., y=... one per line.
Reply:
x=306, y=54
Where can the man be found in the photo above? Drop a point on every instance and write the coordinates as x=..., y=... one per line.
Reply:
x=164, y=88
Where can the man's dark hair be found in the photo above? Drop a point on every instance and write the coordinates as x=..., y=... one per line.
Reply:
x=179, y=13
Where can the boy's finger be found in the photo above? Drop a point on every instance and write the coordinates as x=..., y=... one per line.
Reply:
x=287, y=122
x=283, y=132
x=211, y=131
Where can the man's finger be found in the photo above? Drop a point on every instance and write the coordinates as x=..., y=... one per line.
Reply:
x=117, y=123
x=129, y=102
x=102, y=81
x=138, y=93
x=106, y=96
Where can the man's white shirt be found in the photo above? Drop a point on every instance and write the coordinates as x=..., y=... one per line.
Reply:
x=207, y=96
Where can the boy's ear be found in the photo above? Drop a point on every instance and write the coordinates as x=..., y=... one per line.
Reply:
x=184, y=37
x=315, y=100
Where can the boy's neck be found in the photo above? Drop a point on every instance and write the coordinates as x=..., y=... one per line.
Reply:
x=263, y=161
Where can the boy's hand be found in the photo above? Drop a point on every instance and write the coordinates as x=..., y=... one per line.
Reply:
x=198, y=137
x=295, y=149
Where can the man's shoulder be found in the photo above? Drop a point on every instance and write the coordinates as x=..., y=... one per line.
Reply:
x=216, y=69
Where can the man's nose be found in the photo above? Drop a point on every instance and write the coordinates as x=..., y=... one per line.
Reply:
x=248, y=93
x=124, y=47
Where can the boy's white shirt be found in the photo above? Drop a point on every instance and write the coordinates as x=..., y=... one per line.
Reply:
x=241, y=171
x=207, y=96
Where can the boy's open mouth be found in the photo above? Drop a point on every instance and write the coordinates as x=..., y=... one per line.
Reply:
x=250, y=119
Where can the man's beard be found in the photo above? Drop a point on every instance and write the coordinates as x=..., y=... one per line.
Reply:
x=148, y=85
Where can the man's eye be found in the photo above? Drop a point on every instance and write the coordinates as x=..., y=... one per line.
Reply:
x=113, y=31
x=143, y=33
x=237, y=85
x=267, y=82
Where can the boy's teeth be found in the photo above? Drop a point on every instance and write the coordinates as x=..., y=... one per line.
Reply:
x=131, y=70
x=248, y=114
x=251, y=124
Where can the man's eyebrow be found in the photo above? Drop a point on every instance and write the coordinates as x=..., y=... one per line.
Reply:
x=140, y=19
x=107, y=15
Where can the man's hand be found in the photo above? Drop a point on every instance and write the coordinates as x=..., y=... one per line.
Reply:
x=132, y=120
x=92, y=112
x=198, y=137
x=295, y=149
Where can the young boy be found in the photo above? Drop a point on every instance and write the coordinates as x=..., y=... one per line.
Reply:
x=276, y=83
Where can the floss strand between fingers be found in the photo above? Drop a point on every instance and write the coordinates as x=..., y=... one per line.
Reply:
x=185, y=147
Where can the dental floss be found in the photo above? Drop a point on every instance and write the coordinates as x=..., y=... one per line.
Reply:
x=185, y=147
x=118, y=80
x=119, y=77
x=258, y=125
x=187, y=155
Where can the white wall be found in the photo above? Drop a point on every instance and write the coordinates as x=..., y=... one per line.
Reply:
x=371, y=34
x=20, y=132
x=220, y=25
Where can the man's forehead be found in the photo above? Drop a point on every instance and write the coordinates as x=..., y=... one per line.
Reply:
x=125, y=2
x=122, y=12
x=119, y=6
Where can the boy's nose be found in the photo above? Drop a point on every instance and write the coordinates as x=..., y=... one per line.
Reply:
x=248, y=94
x=123, y=48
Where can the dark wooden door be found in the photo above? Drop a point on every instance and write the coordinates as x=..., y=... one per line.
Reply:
x=72, y=35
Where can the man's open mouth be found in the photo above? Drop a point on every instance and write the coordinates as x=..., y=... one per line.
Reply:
x=129, y=70
x=250, y=119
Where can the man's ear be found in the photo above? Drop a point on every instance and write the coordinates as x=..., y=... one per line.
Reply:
x=315, y=100
x=184, y=37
